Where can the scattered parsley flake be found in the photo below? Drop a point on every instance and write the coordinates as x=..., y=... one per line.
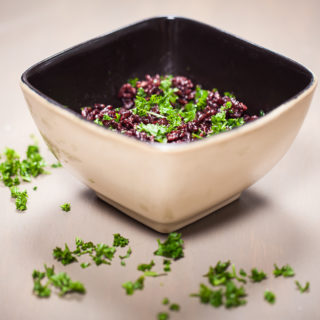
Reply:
x=35, y=188
x=85, y=265
x=64, y=256
x=206, y=295
x=230, y=95
x=165, y=301
x=257, y=276
x=66, y=207
x=61, y=281
x=146, y=267
x=163, y=316
x=286, y=271
x=103, y=253
x=301, y=288
x=56, y=165
x=242, y=273
x=174, y=307
x=129, y=251
x=172, y=247
x=261, y=113
x=119, y=241
x=270, y=297
x=167, y=264
x=131, y=287
x=21, y=198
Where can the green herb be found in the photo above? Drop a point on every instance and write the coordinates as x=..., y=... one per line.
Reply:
x=230, y=95
x=172, y=247
x=206, y=295
x=64, y=256
x=21, y=198
x=234, y=295
x=189, y=112
x=107, y=117
x=220, y=123
x=174, y=307
x=167, y=264
x=85, y=265
x=103, y=253
x=133, y=82
x=156, y=130
x=118, y=117
x=66, y=207
x=131, y=287
x=219, y=275
x=119, y=241
x=61, y=281
x=146, y=267
x=165, y=301
x=301, y=288
x=201, y=98
x=257, y=276
x=261, y=113
x=56, y=165
x=12, y=169
x=129, y=251
x=83, y=247
x=99, y=122
x=153, y=274
x=285, y=271
x=270, y=297
x=242, y=273
x=194, y=135
x=163, y=316
x=35, y=188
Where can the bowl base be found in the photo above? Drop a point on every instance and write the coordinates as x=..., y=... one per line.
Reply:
x=167, y=227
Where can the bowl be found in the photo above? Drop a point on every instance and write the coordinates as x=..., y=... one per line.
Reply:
x=168, y=186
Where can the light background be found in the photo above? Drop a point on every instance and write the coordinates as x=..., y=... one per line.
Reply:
x=276, y=220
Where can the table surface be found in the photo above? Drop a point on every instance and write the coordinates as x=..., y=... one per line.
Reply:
x=275, y=220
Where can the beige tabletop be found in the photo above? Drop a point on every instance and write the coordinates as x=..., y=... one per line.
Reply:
x=276, y=220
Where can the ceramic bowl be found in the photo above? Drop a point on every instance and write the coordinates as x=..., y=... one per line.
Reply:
x=168, y=186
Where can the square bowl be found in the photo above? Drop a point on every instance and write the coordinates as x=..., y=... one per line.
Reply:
x=168, y=186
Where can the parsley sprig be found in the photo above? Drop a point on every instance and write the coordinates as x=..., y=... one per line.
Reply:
x=285, y=271
x=61, y=281
x=172, y=247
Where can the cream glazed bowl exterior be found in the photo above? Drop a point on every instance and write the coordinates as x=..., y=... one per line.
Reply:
x=163, y=186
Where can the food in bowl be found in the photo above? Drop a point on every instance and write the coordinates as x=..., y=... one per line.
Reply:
x=169, y=109
x=168, y=185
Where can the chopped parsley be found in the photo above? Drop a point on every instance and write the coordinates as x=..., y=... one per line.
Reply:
x=129, y=251
x=285, y=271
x=13, y=171
x=146, y=267
x=257, y=276
x=119, y=241
x=60, y=281
x=85, y=265
x=209, y=296
x=301, y=288
x=56, y=165
x=21, y=198
x=35, y=188
x=66, y=207
x=103, y=254
x=131, y=287
x=165, y=301
x=133, y=81
x=167, y=264
x=172, y=247
x=163, y=316
x=174, y=307
x=64, y=256
x=270, y=297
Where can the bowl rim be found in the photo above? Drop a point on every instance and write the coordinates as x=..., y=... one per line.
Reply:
x=164, y=147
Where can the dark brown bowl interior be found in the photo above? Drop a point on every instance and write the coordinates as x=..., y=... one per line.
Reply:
x=94, y=71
